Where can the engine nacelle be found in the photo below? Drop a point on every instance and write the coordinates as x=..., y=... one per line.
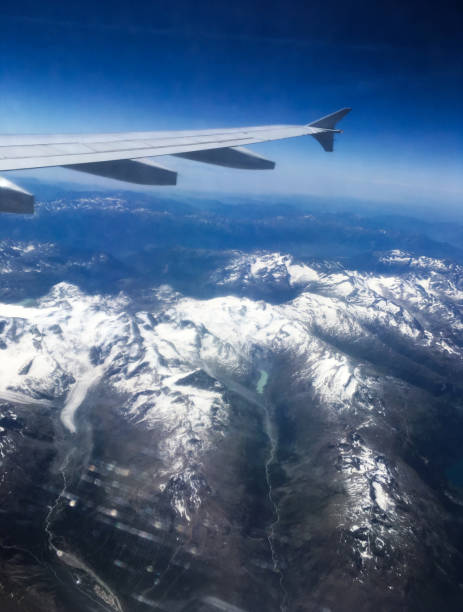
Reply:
x=14, y=199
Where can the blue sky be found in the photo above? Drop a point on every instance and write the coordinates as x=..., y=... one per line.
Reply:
x=110, y=66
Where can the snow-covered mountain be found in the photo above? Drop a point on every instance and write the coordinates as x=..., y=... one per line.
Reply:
x=337, y=388
x=51, y=344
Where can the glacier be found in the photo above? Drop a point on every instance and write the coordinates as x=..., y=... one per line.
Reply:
x=349, y=355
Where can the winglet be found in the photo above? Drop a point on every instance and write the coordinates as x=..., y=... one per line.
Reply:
x=329, y=122
x=326, y=139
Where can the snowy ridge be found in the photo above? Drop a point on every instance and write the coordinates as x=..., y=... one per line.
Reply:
x=70, y=343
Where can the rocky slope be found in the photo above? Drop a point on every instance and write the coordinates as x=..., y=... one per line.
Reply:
x=323, y=489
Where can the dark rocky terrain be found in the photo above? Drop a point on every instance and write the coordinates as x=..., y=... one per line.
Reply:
x=229, y=408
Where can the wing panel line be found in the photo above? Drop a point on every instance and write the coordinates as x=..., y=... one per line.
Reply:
x=169, y=148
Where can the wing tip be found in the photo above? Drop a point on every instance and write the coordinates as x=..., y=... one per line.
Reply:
x=329, y=121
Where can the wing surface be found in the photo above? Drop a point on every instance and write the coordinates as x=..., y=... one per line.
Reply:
x=21, y=152
x=122, y=156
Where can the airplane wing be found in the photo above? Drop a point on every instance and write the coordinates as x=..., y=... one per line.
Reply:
x=122, y=156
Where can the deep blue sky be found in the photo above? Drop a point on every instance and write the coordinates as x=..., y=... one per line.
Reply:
x=110, y=66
